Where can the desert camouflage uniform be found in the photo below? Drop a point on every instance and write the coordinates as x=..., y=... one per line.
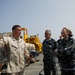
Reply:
x=14, y=51
x=49, y=47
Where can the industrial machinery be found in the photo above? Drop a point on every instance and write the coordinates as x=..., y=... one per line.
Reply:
x=34, y=39
x=5, y=34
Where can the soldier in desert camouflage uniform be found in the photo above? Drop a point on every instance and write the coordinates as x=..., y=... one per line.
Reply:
x=14, y=50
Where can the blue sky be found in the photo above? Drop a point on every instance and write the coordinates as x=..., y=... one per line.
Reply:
x=38, y=15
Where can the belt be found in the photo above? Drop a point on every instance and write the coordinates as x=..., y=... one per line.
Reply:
x=69, y=69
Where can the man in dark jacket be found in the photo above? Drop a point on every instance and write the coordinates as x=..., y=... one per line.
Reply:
x=49, y=46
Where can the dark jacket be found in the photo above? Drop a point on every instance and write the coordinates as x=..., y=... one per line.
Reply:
x=49, y=47
x=66, y=53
